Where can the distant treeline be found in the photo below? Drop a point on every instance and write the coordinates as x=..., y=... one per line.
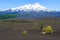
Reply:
x=7, y=16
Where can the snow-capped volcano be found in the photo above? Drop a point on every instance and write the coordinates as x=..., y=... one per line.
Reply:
x=29, y=11
x=28, y=7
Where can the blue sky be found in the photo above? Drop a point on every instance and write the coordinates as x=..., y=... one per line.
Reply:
x=51, y=4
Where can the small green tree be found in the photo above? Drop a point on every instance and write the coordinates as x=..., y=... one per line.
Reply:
x=41, y=24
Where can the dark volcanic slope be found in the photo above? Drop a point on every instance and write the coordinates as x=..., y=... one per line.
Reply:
x=12, y=30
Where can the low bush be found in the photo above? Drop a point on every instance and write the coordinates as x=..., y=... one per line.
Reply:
x=48, y=30
x=24, y=33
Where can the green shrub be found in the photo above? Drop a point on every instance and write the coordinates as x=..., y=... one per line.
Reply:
x=24, y=33
x=36, y=23
x=48, y=30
